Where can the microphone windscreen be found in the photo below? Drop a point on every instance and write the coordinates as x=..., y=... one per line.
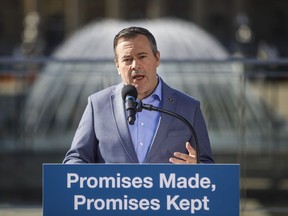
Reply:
x=129, y=90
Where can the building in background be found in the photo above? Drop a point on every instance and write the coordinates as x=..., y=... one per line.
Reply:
x=36, y=27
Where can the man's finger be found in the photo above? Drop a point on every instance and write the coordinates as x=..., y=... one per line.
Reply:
x=183, y=158
x=190, y=149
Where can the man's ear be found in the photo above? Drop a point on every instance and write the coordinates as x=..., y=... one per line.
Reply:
x=157, y=58
x=117, y=66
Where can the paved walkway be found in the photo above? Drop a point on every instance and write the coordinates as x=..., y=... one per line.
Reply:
x=7, y=210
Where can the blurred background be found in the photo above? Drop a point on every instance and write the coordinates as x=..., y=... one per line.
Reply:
x=232, y=55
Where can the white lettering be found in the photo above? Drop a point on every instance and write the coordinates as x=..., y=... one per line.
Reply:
x=186, y=204
x=99, y=204
x=172, y=202
x=108, y=181
x=124, y=203
x=167, y=183
x=79, y=200
x=194, y=182
x=71, y=179
x=205, y=182
x=92, y=182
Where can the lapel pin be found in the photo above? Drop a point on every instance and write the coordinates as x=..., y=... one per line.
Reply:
x=171, y=100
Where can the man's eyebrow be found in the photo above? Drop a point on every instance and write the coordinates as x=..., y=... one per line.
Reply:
x=141, y=53
x=126, y=56
x=129, y=56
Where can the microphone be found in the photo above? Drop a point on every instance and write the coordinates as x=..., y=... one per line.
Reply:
x=129, y=95
x=149, y=107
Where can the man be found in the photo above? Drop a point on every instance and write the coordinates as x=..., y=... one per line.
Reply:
x=104, y=136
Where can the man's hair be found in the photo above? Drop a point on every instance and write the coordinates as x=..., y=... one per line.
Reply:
x=132, y=32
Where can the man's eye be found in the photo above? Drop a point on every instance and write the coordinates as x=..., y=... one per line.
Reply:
x=126, y=60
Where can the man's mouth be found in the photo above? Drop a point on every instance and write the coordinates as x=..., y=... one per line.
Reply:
x=138, y=77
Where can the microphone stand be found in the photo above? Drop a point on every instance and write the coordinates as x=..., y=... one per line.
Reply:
x=149, y=107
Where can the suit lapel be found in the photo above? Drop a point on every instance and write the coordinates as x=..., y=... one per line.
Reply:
x=169, y=103
x=121, y=123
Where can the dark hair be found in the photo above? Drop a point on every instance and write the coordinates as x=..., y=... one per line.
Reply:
x=132, y=32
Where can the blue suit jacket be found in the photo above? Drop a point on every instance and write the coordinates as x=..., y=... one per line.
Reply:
x=103, y=135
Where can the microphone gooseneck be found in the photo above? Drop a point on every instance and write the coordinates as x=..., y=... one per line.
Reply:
x=194, y=135
x=129, y=95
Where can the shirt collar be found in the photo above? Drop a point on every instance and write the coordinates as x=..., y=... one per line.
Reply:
x=156, y=94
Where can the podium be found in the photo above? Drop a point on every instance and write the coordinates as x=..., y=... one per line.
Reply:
x=141, y=189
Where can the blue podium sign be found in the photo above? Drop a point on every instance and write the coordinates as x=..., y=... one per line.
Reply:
x=152, y=189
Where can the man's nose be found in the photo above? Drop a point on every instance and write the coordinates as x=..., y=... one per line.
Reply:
x=135, y=64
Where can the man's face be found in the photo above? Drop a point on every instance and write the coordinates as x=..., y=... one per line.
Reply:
x=137, y=64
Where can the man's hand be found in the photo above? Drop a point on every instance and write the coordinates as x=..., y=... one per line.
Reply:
x=181, y=158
